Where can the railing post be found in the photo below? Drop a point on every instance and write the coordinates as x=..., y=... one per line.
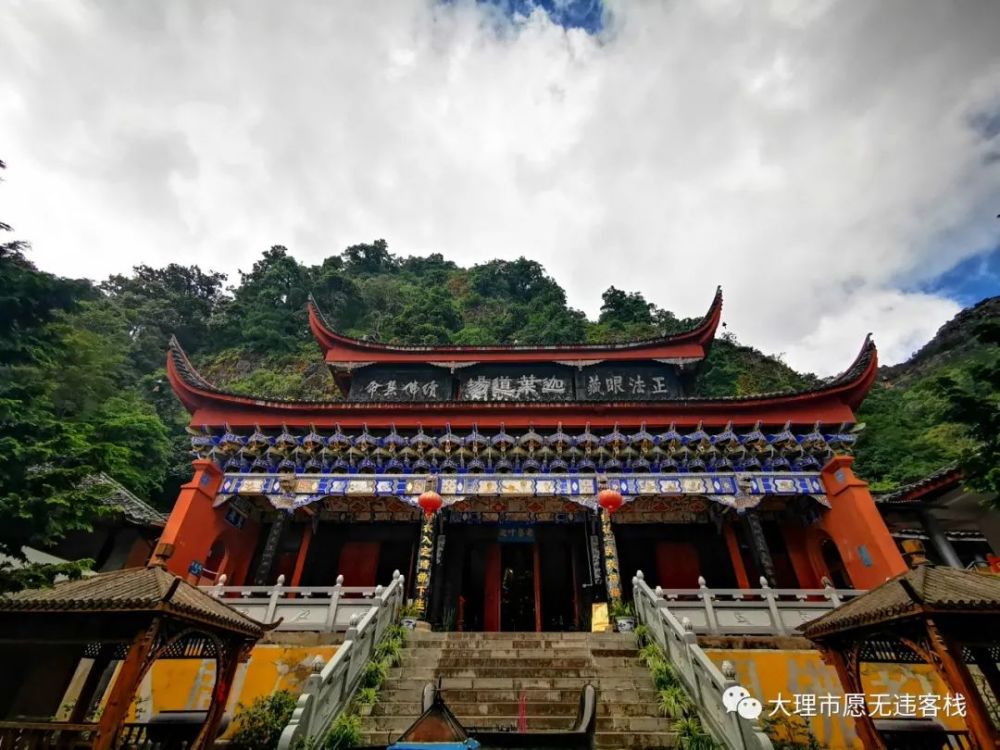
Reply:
x=706, y=598
x=397, y=597
x=734, y=730
x=331, y=612
x=272, y=604
x=772, y=606
x=217, y=588
x=690, y=640
x=830, y=592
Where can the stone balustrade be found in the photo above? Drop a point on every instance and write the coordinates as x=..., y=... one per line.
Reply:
x=329, y=688
x=763, y=611
x=317, y=608
x=702, y=680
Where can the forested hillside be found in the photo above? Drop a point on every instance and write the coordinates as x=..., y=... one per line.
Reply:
x=918, y=415
x=83, y=387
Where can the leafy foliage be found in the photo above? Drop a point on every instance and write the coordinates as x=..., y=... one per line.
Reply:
x=974, y=401
x=345, y=733
x=790, y=733
x=260, y=724
x=939, y=408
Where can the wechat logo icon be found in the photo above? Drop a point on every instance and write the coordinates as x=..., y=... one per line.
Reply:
x=737, y=699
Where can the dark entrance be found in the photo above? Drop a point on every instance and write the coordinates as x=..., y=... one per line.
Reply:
x=673, y=555
x=514, y=577
x=517, y=586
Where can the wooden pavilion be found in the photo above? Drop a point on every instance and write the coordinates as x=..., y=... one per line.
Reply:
x=59, y=647
x=941, y=616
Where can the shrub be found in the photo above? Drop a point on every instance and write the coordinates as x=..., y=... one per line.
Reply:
x=693, y=735
x=789, y=733
x=675, y=703
x=374, y=674
x=664, y=675
x=388, y=651
x=620, y=608
x=411, y=609
x=366, y=696
x=345, y=733
x=651, y=655
x=642, y=635
x=259, y=725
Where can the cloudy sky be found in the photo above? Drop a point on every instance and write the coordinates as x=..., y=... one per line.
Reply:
x=835, y=166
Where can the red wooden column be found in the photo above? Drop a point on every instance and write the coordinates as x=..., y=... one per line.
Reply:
x=126, y=683
x=856, y=527
x=742, y=580
x=796, y=542
x=538, y=586
x=300, y=560
x=491, y=595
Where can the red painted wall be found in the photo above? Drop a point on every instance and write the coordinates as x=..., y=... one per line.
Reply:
x=856, y=528
x=194, y=525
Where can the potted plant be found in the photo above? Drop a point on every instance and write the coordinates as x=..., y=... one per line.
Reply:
x=623, y=615
x=410, y=615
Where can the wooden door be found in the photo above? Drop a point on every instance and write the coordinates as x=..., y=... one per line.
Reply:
x=359, y=563
x=677, y=565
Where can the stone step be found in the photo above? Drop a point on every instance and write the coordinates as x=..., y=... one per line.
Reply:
x=389, y=694
x=399, y=724
x=428, y=672
x=547, y=639
x=563, y=650
x=519, y=656
x=509, y=705
x=523, y=663
x=615, y=740
x=410, y=681
x=574, y=635
x=636, y=740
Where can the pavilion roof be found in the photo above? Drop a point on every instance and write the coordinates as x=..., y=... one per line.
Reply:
x=136, y=590
x=832, y=401
x=133, y=509
x=924, y=589
x=927, y=488
x=684, y=346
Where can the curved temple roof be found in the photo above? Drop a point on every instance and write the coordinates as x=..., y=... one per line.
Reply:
x=687, y=346
x=832, y=401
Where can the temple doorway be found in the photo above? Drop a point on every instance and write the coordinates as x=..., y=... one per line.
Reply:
x=514, y=577
x=673, y=555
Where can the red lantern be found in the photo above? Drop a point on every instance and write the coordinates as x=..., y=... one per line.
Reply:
x=431, y=502
x=610, y=500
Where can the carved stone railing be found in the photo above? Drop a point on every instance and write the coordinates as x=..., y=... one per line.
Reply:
x=318, y=608
x=703, y=681
x=763, y=611
x=329, y=688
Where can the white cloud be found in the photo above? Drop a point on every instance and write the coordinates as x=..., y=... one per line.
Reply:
x=816, y=159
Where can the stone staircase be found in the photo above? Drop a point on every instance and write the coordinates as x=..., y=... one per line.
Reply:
x=484, y=674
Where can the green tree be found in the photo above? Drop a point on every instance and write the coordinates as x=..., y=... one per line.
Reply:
x=624, y=308
x=268, y=310
x=974, y=401
x=159, y=302
x=59, y=425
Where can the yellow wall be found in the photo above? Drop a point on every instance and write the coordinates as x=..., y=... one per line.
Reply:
x=175, y=684
x=766, y=673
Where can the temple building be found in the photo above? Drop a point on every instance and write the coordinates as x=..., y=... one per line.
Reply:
x=522, y=444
